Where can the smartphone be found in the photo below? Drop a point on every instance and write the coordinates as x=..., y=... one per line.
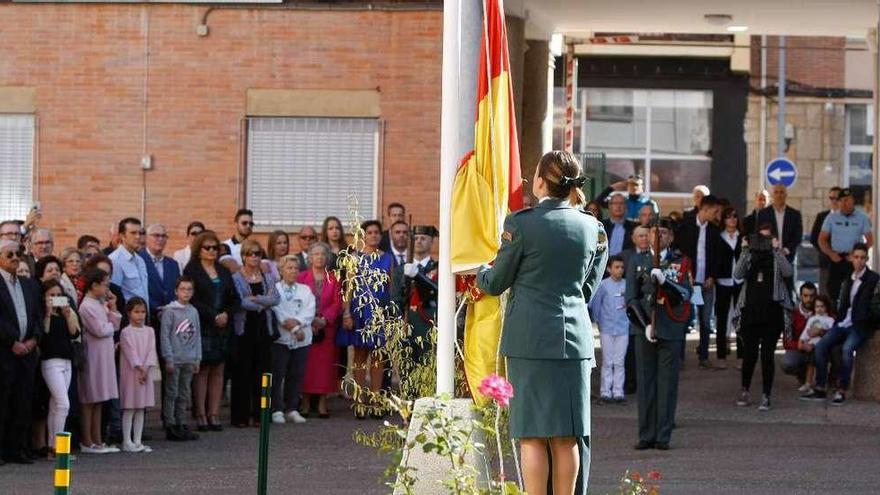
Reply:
x=60, y=302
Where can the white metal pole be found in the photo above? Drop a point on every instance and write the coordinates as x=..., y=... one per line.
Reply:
x=780, y=116
x=763, y=146
x=875, y=174
x=448, y=166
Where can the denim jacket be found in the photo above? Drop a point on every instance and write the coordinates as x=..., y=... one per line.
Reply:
x=263, y=302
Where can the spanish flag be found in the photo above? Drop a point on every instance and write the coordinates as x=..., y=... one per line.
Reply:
x=487, y=187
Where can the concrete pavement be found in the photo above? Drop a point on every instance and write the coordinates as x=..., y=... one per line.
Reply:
x=797, y=448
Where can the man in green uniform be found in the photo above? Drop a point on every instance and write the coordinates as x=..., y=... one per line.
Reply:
x=415, y=291
x=660, y=295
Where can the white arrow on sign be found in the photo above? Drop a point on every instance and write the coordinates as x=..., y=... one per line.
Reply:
x=778, y=174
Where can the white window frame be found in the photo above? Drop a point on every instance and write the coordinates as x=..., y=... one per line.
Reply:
x=649, y=155
x=364, y=211
x=25, y=205
x=854, y=148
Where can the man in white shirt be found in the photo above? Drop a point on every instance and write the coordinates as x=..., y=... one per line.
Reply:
x=129, y=269
x=182, y=256
x=244, y=227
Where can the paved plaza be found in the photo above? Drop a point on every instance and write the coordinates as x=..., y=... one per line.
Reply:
x=797, y=448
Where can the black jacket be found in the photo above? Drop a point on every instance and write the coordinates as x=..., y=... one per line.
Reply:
x=686, y=237
x=628, y=227
x=204, y=298
x=824, y=261
x=724, y=256
x=792, y=226
x=9, y=328
x=862, y=303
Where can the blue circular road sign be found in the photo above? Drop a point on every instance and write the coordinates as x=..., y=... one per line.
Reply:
x=781, y=171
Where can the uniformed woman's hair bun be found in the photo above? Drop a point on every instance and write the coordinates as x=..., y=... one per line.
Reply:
x=562, y=173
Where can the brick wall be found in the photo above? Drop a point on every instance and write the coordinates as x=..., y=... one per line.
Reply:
x=812, y=60
x=87, y=61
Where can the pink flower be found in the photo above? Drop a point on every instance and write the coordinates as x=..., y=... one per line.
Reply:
x=497, y=388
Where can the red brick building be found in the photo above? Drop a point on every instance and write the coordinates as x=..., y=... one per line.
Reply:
x=344, y=99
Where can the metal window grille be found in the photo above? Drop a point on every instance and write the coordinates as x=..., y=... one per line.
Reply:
x=302, y=169
x=16, y=165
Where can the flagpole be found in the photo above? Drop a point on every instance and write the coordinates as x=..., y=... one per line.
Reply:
x=449, y=122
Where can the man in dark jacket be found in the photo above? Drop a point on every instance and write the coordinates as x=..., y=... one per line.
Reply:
x=853, y=327
x=784, y=218
x=697, y=238
x=21, y=316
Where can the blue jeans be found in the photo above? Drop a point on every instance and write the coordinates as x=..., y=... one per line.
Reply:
x=852, y=337
x=704, y=313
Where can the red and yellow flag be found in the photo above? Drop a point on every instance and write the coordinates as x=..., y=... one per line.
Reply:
x=488, y=186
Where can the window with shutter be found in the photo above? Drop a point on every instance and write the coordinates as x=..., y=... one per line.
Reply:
x=16, y=165
x=302, y=169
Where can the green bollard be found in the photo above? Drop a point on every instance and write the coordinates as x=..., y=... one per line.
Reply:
x=62, y=463
x=265, y=420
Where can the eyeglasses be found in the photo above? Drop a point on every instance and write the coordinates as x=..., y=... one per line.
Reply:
x=246, y=224
x=10, y=255
x=309, y=237
x=252, y=253
x=210, y=247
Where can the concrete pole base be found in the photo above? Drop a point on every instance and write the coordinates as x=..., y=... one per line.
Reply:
x=432, y=469
x=866, y=382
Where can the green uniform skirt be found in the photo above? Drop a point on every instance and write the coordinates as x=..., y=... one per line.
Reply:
x=551, y=397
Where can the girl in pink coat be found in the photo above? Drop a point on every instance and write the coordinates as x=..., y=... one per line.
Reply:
x=137, y=358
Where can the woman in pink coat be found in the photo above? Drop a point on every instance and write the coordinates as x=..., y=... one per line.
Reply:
x=321, y=374
x=97, y=380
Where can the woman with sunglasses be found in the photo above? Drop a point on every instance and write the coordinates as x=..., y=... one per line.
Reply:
x=216, y=301
x=182, y=256
x=728, y=249
x=254, y=332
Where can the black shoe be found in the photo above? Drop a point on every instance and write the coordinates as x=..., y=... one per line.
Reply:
x=305, y=414
x=203, y=428
x=643, y=445
x=216, y=427
x=174, y=434
x=187, y=434
x=815, y=395
x=620, y=400
x=662, y=446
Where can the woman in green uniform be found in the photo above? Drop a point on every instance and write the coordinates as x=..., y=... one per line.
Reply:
x=552, y=258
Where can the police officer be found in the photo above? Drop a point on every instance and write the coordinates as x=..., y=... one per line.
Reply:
x=659, y=294
x=552, y=257
x=841, y=230
x=415, y=290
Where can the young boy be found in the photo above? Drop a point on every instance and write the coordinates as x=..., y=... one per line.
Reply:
x=181, y=347
x=608, y=309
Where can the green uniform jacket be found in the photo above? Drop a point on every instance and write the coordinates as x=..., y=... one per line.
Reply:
x=670, y=324
x=552, y=257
